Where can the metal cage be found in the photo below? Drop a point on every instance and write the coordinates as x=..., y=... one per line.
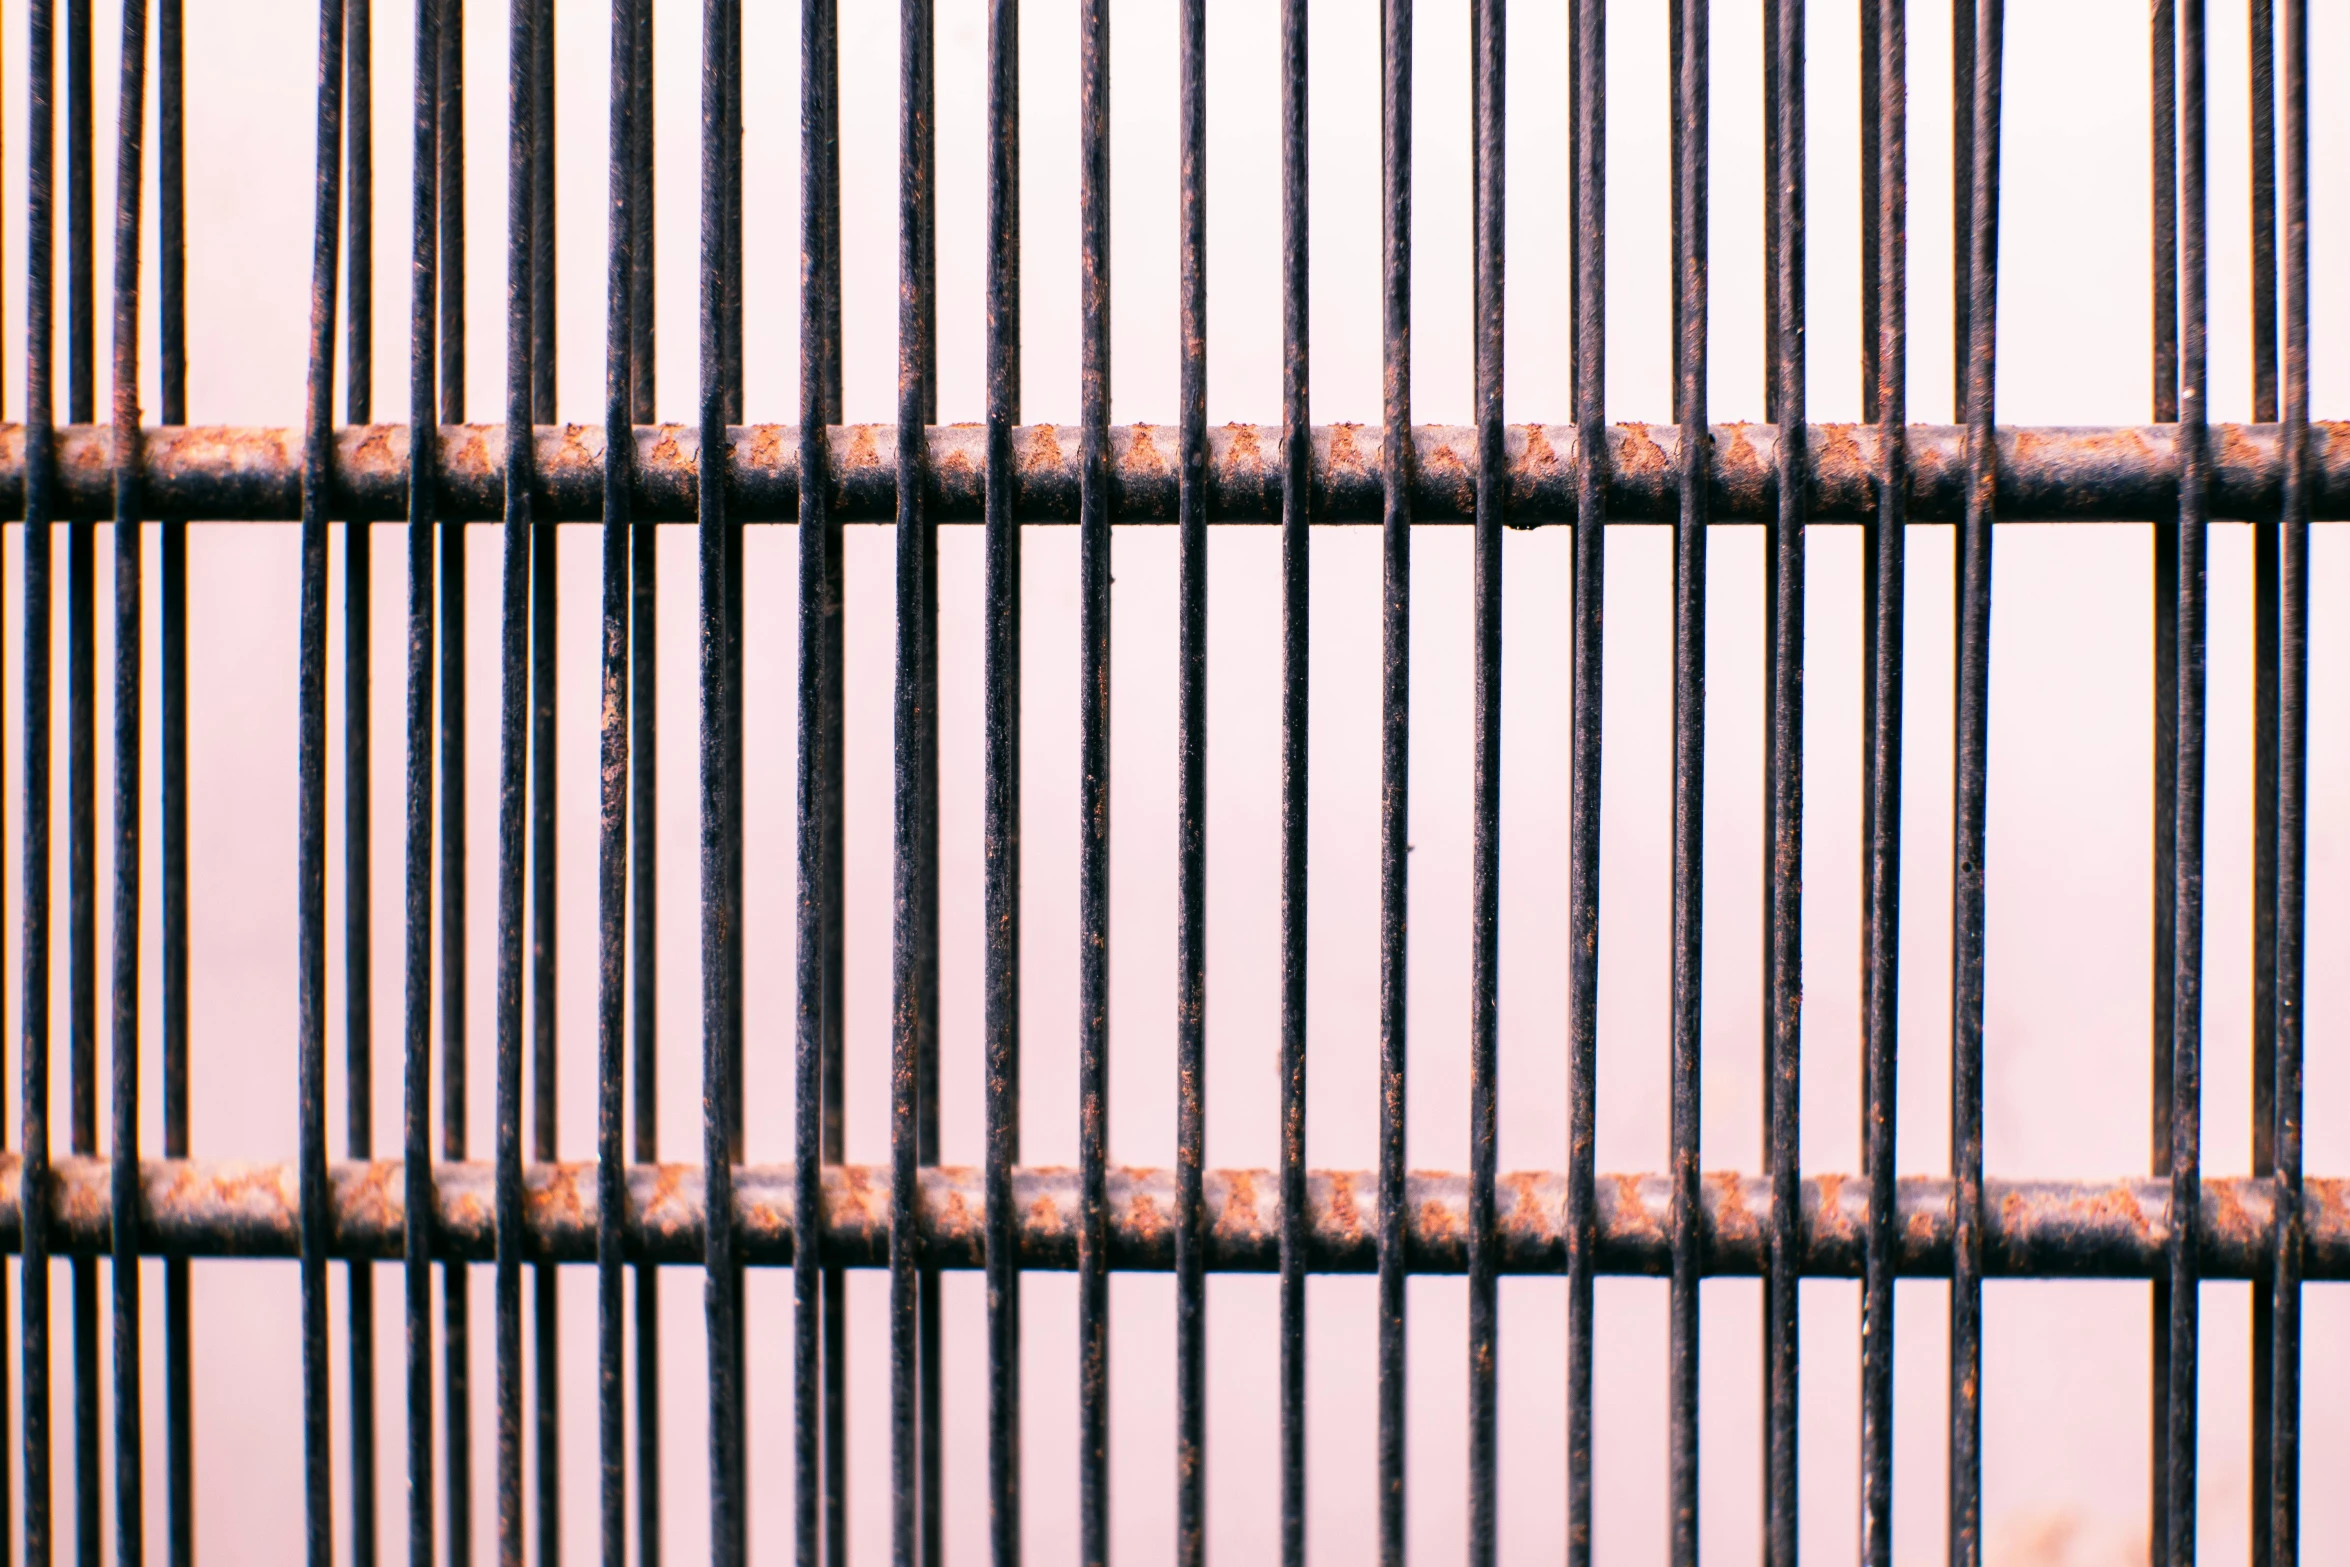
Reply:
x=625, y=1212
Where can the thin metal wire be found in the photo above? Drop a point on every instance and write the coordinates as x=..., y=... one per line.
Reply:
x=456, y=1280
x=914, y=935
x=171, y=288
x=358, y=837
x=1297, y=501
x=40, y=511
x=2283, y=1501
x=1591, y=498
x=1093, y=798
x=2261, y=71
x=1691, y=117
x=514, y=735
x=816, y=1301
x=1970, y=796
x=416, y=1089
x=2163, y=111
x=612, y=863
x=1886, y=562
x=311, y=871
x=722, y=1277
x=1487, y=141
x=1002, y=783
x=1191, y=808
x=2187, y=842
x=1783, y=634
x=129, y=648
x=1395, y=695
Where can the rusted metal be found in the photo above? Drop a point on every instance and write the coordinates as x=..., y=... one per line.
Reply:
x=2032, y=1229
x=2082, y=473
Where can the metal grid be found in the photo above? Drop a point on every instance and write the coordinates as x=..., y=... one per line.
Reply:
x=913, y=1218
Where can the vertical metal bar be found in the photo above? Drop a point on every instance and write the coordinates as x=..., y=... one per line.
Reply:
x=81, y=763
x=1002, y=783
x=644, y=872
x=731, y=270
x=311, y=822
x=514, y=726
x=820, y=150
x=922, y=151
x=612, y=825
x=720, y=1296
x=358, y=837
x=2283, y=1501
x=423, y=474
x=816, y=1304
x=545, y=1321
x=1487, y=49
x=171, y=283
x=542, y=214
x=2185, y=1263
x=40, y=511
x=731, y=136
x=2261, y=19
x=1093, y=799
x=1297, y=506
x=1887, y=565
x=456, y=1280
x=914, y=955
x=2163, y=110
x=1970, y=795
x=1395, y=699
x=1784, y=551
x=1591, y=480
x=129, y=645
x=1686, y=1239
x=1191, y=753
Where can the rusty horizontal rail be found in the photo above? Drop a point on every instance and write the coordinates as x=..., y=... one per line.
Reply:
x=2036, y=1229
x=2046, y=474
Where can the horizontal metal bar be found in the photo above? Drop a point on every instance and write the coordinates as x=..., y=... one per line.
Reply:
x=2033, y=1229
x=2046, y=474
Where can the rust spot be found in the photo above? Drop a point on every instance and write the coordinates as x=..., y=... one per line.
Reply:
x=1638, y=452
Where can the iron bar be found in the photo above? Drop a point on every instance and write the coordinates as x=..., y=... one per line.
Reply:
x=2116, y=1228
x=1297, y=505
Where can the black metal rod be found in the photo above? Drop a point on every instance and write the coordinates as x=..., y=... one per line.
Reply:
x=1783, y=622
x=1885, y=565
x=456, y=1282
x=1001, y=784
x=2164, y=198
x=2261, y=71
x=644, y=871
x=612, y=858
x=81, y=761
x=722, y=1278
x=1691, y=118
x=1970, y=795
x=514, y=737
x=129, y=646
x=416, y=1078
x=813, y=1306
x=1191, y=807
x=1488, y=143
x=40, y=482
x=171, y=288
x=1093, y=797
x=1589, y=111
x=311, y=822
x=914, y=943
x=1395, y=699
x=358, y=838
x=1297, y=506
x=2283, y=1501
x=2187, y=840
x=542, y=215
